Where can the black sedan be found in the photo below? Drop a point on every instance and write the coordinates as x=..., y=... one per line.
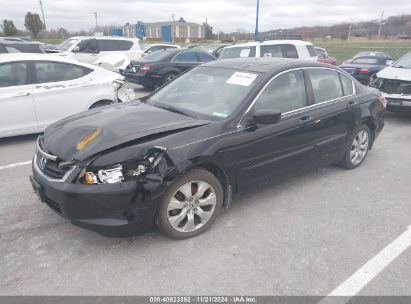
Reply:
x=157, y=68
x=173, y=159
x=365, y=67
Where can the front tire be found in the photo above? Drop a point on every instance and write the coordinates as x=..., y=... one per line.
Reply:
x=360, y=142
x=190, y=205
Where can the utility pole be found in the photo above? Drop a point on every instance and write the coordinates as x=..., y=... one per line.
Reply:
x=256, y=36
x=379, y=29
x=44, y=19
x=174, y=28
x=206, y=31
x=349, y=32
x=95, y=16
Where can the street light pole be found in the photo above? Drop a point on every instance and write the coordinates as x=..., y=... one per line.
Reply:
x=256, y=21
x=174, y=28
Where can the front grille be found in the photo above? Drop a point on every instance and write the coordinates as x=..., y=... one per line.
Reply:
x=53, y=205
x=49, y=164
x=393, y=86
x=51, y=167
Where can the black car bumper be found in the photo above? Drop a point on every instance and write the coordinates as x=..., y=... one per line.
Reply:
x=115, y=210
x=147, y=80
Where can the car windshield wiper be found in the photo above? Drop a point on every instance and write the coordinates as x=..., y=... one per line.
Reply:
x=172, y=109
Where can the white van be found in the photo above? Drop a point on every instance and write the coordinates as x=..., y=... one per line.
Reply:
x=271, y=48
x=89, y=48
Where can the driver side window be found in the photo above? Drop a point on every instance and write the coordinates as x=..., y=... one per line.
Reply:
x=285, y=93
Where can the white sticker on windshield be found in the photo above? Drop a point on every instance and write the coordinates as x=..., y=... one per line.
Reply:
x=244, y=53
x=241, y=78
x=223, y=115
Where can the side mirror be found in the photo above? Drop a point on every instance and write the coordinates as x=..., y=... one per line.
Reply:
x=76, y=49
x=266, y=116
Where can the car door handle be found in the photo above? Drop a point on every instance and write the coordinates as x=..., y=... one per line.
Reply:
x=352, y=103
x=305, y=119
x=22, y=94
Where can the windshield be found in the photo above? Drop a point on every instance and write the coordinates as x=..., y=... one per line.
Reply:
x=205, y=92
x=404, y=62
x=238, y=52
x=157, y=56
x=207, y=48
x=145, y=46
x=66, y=44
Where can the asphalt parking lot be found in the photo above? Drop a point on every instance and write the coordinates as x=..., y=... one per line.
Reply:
x=303, y=236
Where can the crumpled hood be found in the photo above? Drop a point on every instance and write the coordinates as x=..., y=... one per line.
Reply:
x=395, y=73
x=108, y=127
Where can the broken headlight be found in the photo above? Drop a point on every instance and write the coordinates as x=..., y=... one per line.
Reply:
x=126, y=171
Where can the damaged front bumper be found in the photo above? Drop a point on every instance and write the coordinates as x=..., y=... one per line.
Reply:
x=398, y=102
x=114, y=210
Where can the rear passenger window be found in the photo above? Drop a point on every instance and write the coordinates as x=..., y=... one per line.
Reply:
x=285, y=93
x=13, y=74
x=326, y=84
x=123, y=45
x=106, y=45
x=347, y=85
x=279, y=50
x=47, y=72
x=311, y=50
x=205, y=57
x=188, y=57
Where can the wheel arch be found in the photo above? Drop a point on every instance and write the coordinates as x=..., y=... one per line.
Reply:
x=370, y=123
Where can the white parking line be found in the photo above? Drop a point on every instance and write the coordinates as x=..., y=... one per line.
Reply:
x=16, y=165
x=372, y=268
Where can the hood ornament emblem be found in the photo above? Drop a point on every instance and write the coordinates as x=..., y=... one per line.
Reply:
x=42, y=162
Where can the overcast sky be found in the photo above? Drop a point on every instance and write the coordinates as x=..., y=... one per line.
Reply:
x=225, y=15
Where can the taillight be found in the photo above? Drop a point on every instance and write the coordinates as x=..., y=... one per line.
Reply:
x=383, y=101
x=144, y=69
x=364, y=71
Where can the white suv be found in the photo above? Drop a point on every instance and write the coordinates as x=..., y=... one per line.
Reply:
x=89, y=48
x=271, y=48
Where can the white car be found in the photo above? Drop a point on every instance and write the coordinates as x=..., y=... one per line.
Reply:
x=38, y=89
x=89, y=49
x=394, y=82
x=271, y=48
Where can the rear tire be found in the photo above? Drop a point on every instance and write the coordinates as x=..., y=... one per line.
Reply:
x=190, y=205
x=169, y=77
x=359, y=145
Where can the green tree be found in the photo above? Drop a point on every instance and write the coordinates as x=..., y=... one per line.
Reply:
x=33, y=23
x=8, y=28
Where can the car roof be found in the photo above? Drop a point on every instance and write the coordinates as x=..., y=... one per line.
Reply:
x=372, y=54
x=104, y=37
x=270, y=42
x=15, y=42
x=9, y=57
x=265, y=65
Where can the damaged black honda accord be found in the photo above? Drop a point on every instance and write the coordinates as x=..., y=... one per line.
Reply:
x=175, y=158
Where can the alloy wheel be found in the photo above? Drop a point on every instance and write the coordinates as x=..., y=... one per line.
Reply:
x=191, y=206
x=359, y=147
